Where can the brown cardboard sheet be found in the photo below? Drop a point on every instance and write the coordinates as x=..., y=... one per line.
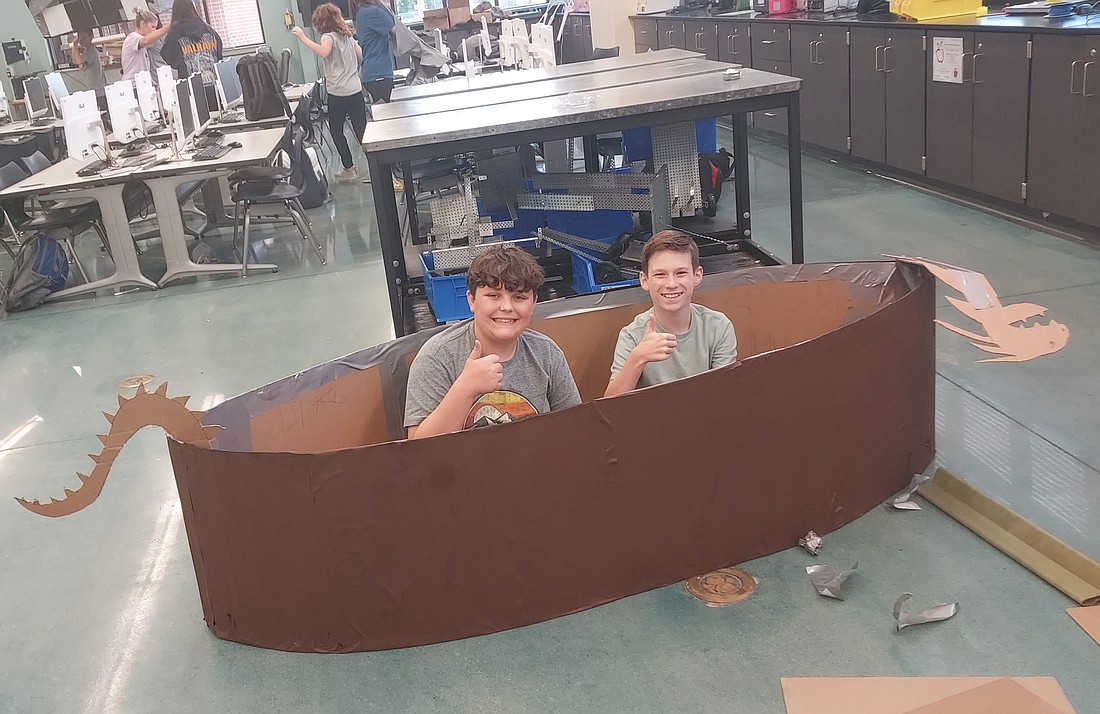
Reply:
x=405, y=543
x=1089, y=620
x=924, y=695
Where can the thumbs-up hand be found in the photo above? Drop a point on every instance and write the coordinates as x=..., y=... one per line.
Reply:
x=481, y=374
x=655, y=346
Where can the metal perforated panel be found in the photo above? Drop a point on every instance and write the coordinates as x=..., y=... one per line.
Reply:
x=674, y=146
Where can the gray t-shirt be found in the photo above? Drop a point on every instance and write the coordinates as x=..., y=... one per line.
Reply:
x=342, y=67
x=93, y=71
x=710, y=342
x=536, y=379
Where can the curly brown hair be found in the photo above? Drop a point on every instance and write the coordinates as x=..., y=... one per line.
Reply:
x=505, y=266
x=328, y=18
x=676, y=241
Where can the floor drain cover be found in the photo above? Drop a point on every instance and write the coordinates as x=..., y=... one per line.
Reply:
x=721, y=587
x=135, y=381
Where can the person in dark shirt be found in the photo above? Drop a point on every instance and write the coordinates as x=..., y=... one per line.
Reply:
x=373, y=23
x=192, y=46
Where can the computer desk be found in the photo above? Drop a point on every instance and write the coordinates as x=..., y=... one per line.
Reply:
x=61, y=181
x=25, y=127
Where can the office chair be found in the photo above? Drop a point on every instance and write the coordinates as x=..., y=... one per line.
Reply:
x=605, y=52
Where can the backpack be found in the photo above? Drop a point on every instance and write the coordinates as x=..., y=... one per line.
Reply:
x=262, y=94
x=39, y=269
x=713, y=170
x=306, y=171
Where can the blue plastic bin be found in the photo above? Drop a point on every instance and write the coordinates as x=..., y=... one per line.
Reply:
x=601, y=225
x=447, y=293
x=638, y=144
x=584, y=282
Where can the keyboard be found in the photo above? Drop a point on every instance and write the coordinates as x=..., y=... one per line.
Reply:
x=231, y=117
x=92, y=168
x=201, y=142
x=212, y=152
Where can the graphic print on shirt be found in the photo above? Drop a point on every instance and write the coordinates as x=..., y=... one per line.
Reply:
x=501, y=407
x=201, y=56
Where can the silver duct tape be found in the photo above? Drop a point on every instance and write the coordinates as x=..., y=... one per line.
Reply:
x=812, y=542
x=936, y=613
x=827, y=580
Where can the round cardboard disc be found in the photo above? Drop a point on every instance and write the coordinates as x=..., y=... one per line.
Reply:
x=721, y=587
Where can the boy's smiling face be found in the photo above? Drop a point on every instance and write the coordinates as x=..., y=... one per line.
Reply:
x=670, y=279
x=501, y=314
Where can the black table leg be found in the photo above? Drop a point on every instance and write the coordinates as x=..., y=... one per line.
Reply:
x=410, y=202
x=591, y=154
x=794, y=169
x=741, y=174
x=389, y=234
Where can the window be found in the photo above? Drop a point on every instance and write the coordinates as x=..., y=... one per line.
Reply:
x=236, y=21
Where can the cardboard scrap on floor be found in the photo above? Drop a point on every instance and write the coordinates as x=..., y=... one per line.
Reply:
x=1089, y=620
x=924, y=695
x=1009, y=331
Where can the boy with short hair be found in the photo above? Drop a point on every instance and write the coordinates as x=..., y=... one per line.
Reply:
x=675, y=338
x=491, y=369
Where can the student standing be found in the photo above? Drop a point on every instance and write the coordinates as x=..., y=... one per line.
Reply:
x=373, y=23
x=135, y=48
x=342, y=57
x=675, y=338
x=86, y=57
x=192, y=46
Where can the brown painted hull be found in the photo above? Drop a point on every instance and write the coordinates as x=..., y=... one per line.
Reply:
x=394, y=544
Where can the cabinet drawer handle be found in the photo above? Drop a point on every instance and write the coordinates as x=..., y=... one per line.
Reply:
x=974, y=68
x=878, y=62
x=767, y=42
x=731, y=43
x=1085, y=80
x=771, y=114
x=697, y=36
x=1072, y=74
x=962, y=66
x=885, y=67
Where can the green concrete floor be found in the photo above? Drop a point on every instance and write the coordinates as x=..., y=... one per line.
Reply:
x=99, y=612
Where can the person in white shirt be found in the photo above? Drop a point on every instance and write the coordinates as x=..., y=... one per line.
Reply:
x=135, y=53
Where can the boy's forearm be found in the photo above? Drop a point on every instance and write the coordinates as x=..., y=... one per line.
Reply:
x=449, y=416
x=627, y=378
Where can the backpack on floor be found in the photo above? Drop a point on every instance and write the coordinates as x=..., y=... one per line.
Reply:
x=40, y=268
x=713, y=170
x=263, y=96
x=306, y=170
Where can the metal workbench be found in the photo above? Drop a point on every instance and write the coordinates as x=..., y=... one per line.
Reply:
x=556, y=114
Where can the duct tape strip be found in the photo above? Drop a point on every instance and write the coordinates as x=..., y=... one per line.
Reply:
x=1065, y=568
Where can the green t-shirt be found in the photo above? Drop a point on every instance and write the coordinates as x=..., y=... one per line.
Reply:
x=709, y=342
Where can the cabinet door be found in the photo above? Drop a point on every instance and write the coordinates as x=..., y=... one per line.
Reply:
x=868, y=101
x=950, y=131
x=1055, y=164
x=1088, y=193
x=586, y=37
x=771, y=42
x=670, y=33
x=773, y=119
x=645, y=33
x=819, y=55
x=1000, y=79
x=702, y=37
x=733, y=43
x=903, y=67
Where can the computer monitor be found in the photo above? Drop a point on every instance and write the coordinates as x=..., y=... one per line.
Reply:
x=147, y=97
x=58, y=91
x=34, y=92
x=166, y=85
x=83, y=125
x=122, y=105
x=229, y=84
x=202, y=105
x=184, y=113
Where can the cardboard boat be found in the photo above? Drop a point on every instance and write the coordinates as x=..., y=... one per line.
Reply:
x=314, y=527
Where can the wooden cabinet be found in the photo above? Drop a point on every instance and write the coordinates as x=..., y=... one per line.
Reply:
x=819, y=56
x=977, y=127
x=645, y=35
x=702, y=36
x=887, y=97
x=1063, y=150
x=733, y=43
x=670, y=33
